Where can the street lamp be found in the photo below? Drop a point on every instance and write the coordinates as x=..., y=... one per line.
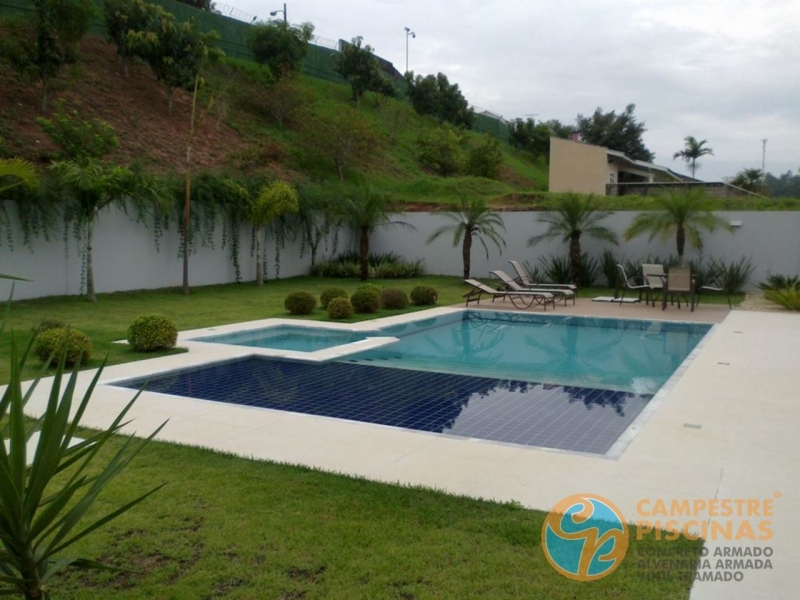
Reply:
x=412, y=34
x=275, y=12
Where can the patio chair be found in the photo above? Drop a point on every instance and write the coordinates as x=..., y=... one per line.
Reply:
x=712, y=287
x=525, y=281
x=511, y=285
x=630, y=285
x=680, y=282
x=654, y=276
x=524, y=299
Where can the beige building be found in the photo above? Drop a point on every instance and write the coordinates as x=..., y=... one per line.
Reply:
x=587, y=169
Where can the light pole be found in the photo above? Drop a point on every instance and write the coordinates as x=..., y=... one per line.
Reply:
x=763, y=157
x=412, y=34
x=275, y=12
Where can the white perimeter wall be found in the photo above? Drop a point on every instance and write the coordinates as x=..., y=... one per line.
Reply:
x=125, y=256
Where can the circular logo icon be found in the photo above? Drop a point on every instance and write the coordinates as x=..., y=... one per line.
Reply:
x=584, y=537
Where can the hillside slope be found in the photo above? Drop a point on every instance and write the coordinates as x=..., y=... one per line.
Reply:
x=237, y=133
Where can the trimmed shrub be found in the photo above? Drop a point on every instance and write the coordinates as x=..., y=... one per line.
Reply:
x=55, y=339
x=393, y=298
x=152, y=332
x=340, y=308
x=424, y=295
x=366, y=299
x=300, y=303
x=329, y=294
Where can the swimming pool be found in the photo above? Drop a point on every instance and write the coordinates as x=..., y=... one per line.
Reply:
x=287, y=337
x=569, y=383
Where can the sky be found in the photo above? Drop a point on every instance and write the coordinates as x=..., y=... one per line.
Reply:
x=725, y=71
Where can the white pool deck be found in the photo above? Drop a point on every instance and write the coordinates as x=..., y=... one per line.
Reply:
x=740, y=397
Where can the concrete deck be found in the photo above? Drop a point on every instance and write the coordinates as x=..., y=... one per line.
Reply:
x=738, y=398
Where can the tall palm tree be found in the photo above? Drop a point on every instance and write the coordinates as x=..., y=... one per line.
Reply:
x=683, y=215
x=89, y=186
x=693, y=150
x=16, y=171
x=473, y=220
x=574, y=216
x=751, y=180
x=365, y=211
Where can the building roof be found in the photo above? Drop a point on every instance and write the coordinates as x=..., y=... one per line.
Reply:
x=623, y=159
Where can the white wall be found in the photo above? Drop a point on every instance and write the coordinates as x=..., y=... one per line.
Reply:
x=125, y=256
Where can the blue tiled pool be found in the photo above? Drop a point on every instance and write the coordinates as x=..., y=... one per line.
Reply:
x=570, y=383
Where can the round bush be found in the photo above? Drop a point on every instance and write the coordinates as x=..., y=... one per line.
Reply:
x=424, y=295
x=329, y=294
x=300, y=303
x=340, y=308
x=366, y=299
x=152, y=332
x=55, y=339
x=394, y=298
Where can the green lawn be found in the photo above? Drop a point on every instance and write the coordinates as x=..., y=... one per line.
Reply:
x=227, y=527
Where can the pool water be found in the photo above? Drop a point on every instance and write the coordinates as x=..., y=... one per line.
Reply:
x=287, y=337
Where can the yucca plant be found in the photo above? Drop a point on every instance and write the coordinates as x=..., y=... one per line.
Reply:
x=787, y=297
x=44, y=499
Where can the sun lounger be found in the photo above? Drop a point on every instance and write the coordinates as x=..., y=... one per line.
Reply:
x=524, y=299
x=511, y=285
x=525, y=281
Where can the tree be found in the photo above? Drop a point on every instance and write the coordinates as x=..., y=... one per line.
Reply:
x=682, y=215
x=751, y=180
x=286, y=102
x=174, y=51
x=48, y=496
x=358, y=65
x=440, y=150
x=344, y=137
x=280, y=46
x=618, y=132
x=365, y=210
x=72, y=20
x=574, y=216
x=89, y=186
x=473, y=220
x=559, y=129
x=528, y=136
x=787, y=184
x=274, y=200
x=123, y=18
x=484, y=160
x=15, y=172
x=436, y=96
x=693, y=150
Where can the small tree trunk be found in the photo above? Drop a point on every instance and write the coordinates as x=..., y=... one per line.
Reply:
x=575, y=256
x=90, y=295
x=259, y=256
x=169, y=101
x=187, y=208
x=466, y=254
x=680, y=240
x=364, y=250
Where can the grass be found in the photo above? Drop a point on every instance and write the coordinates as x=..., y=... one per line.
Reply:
x=226, y=527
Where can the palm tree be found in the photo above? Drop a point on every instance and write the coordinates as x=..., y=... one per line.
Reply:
x=684, y=215
x=473, y=220
x=89, y=186
x=365, y=211
x=751, y=180
x=273, y=200
x=574, y=216
x=21, y=172
x=692, y=151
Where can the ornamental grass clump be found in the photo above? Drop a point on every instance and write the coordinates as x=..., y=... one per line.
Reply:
x=149, y=333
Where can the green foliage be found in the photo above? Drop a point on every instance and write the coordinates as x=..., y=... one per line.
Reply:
x=382, y=266
x=485, y=159
x=424, y=295
x=123, y=18
x=280, y=46
x=72, y=20
x=340, y=308
x=751, y=180
x=345, y=138
x=300, y=303
x=683, y=215
x=152, y=332
x=16, y=172
x=529, y=137
x=394, y=299
x=440, y=150
x=358, y=65
x=733, y=276
x=608, y=266
x=693, y=150
x=74, y=345
x=366, y=299
x=779, y=282
x=174, y=51
x=618, y=132
x=788, y=297
x=329, y=294
x=436, y=96
x=78, y=138
x=785, y=185
x=274, y=199
x=46, y=498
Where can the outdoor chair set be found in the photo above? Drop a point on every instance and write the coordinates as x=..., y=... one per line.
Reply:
x=673, y=284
